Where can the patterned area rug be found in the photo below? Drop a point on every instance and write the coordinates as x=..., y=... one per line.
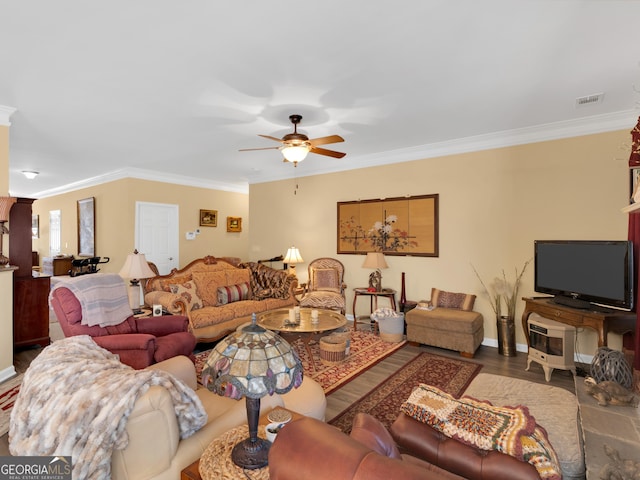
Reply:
x=8, y=393
x=366, y=350
x=383, y=402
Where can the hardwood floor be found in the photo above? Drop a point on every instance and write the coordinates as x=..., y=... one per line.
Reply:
x=339, y=400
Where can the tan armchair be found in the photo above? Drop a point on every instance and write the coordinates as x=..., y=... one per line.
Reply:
x=326, y=287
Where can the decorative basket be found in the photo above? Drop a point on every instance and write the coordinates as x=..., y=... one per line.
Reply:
x=332, y=350
x=611, y=365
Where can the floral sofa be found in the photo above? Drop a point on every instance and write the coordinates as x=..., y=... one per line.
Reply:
x=217, y=296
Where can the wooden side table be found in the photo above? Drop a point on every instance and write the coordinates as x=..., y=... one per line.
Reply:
x=373, y=300
x=192, y=472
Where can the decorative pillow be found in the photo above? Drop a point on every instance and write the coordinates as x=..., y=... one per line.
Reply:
x=165, y=284
x=510, y=430
x=233, y=293
x=189, y=294
x=325, y=279
x=460, y=301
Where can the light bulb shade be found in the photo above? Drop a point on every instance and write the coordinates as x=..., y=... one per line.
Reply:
x=252, y=362
x=293, y=256
x=295, y=153
x=30, y=174
x=136, y=267
x=5, y=206
x=375, y=260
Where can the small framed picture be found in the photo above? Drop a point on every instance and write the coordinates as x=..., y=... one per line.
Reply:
x=234, y=224
x=208, y=218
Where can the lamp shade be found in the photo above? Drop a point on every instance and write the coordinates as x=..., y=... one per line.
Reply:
x=295, y=153
x=252, y=362
x=136, y=266
x=5, y=206
x=375, y=260
x=293, y=256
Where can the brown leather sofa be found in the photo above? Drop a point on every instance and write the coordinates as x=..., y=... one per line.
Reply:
x=314, y=450
x=420, y=440
x=310, y=449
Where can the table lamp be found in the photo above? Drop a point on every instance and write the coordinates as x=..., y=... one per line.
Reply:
x=375, y=260
x=135, y=268
x=5, y=206
x=252, y=362
x=291, y=258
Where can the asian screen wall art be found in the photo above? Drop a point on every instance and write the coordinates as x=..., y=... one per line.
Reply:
x=395, y=226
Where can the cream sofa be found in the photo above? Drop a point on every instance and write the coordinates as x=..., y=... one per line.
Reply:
x=155, y=450
x=217, y=296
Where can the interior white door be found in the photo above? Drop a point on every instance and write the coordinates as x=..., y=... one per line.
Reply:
x=157, y=234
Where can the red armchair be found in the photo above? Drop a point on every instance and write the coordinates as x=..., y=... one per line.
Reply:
x=139, y=342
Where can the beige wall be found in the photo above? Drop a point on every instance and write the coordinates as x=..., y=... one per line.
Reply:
x=493, y=205
x=115, y=219
x=6, y=278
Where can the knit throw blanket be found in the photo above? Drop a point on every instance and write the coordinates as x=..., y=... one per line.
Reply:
x=510, y=430
x=75, y=400
x=102, y=296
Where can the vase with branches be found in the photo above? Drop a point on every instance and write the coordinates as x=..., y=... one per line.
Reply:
x=501, y=289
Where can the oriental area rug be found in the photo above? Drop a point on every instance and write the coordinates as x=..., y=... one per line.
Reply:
x=366, y=349
x=383, y=402
x=8, y=393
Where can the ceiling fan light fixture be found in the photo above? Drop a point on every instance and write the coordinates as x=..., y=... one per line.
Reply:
x=295, y=153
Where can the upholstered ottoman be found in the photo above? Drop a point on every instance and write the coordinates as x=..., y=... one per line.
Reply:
x=554, y=408
x=449, y=328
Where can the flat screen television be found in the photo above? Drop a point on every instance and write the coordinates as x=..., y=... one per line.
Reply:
x=581, y=272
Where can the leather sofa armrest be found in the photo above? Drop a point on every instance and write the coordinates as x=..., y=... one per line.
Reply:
x=164, y=325
x=180, y=367
x=426, y=443
x=311, y=449
x=172, y=302
x=153, y=437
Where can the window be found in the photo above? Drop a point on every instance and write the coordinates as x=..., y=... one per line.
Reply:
x=54, y=232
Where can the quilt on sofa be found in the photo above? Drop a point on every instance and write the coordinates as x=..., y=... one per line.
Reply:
x=510, y=430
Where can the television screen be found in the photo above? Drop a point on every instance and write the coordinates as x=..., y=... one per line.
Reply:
x=578, y=272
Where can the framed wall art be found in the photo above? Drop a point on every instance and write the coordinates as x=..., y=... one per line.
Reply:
x=208, y=218
x=234, y=224
x=395, y=226
x=87, y=227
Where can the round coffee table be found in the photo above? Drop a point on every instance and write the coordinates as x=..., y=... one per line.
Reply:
x=278, y=321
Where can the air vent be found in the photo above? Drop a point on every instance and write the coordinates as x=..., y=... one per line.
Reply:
x=589, y=100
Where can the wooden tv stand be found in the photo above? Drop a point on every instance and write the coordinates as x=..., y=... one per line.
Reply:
x=602, y=320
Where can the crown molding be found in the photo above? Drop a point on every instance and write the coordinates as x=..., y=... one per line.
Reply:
x=5, y=115
x=621, y=120
x=143, y=174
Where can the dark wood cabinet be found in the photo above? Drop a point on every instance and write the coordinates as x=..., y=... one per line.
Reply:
x=30, y=294
x=31, y=311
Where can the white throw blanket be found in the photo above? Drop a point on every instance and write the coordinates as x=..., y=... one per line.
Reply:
x=102, y=296
x=75, y=400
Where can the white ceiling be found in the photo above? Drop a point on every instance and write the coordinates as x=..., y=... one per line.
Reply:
x=171, y=89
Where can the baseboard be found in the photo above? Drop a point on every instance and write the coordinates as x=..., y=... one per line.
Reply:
x=524, y=348
x=7, y=373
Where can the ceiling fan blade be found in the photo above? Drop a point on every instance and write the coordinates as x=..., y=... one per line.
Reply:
x=252, y=149
x=328, y=153
x=271, y=138
x=326, y=140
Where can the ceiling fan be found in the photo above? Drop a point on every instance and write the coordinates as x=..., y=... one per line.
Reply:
x=295, y=146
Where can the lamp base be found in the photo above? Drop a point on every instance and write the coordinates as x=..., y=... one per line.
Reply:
x=251, y=454
x=3, y=260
